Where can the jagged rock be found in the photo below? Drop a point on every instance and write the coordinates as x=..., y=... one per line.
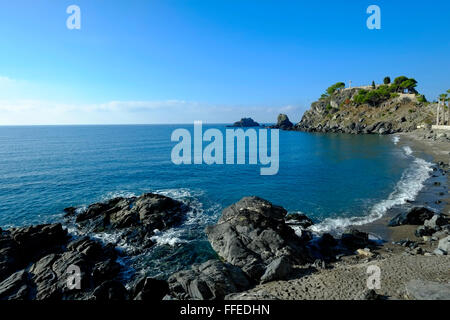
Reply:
x=435, y=222
x=320, y=264
x=110, y=290
x=150, y=289
x=15, y=287
x=327, y=241
x=252, y=233
x=212, y=280
x=423, y=231
x=298, y=219
x=105, y=270
x=70, y=211
x=444, y=245
x=415, y=216
x=278, y=269
x=45, y=255
x=245, y=123
x=136, y=217
x=37, y=240
x=407, y=243
x=20, y=246
x=355, y=239
x=283, y=122
x=9, y=256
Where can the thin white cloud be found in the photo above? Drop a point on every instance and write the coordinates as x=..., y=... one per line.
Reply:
x=21, y=111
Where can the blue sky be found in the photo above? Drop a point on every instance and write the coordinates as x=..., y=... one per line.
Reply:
x=162, y=61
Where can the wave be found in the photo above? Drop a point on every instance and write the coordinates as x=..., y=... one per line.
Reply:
x=395, y=139
x=407, y=189
x=196, y=218
x=169, y=237
x=408, y=150
x=117, y=194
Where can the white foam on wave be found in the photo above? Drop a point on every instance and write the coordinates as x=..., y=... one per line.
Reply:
x=169, y=237
x=117, y=194
x=408, y=150
x=395, y=139
x=194, y=218
x=407, y=189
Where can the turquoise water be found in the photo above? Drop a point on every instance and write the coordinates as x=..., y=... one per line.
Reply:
x=334, y=179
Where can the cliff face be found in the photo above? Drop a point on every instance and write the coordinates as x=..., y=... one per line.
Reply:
x=340, y=113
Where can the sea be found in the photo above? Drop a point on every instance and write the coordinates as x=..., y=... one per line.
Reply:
x=338, y=180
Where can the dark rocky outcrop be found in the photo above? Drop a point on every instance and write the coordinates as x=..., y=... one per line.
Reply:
x=136, y=217
x=415, y=216
x=110, y=291
x=245, y=123
x=212, y=280
x=283, y=123
x=278, y=269
x=15, y=287
x=150, y=289
x=298, y=219
x=37, y=261
x=355, y=239
x=444, y=245
x=252, y=233
x=20, y=246
x=44, y=262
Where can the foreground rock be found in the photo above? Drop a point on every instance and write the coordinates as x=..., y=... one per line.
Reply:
x=252, y=233
x=444, y=245
x=212, y=280
x=137, y=217
x=415, y=216
x=245, y=123
x=37, y=263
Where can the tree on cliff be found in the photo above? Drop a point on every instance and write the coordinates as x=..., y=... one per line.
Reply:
x=402, y=84
x=387, y=80
x=334, y=87
x=409, y=85
x=400, y=79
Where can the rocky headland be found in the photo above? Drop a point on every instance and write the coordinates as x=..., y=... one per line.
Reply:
x=378, y=109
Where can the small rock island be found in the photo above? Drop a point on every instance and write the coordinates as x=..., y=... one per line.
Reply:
x=245, y=123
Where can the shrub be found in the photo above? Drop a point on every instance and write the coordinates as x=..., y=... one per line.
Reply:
x=421, y=98
x=334, y=87
x=373, y=97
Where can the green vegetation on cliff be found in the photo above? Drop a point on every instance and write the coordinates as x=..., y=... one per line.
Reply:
x=386, y=91
x=334, y=87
